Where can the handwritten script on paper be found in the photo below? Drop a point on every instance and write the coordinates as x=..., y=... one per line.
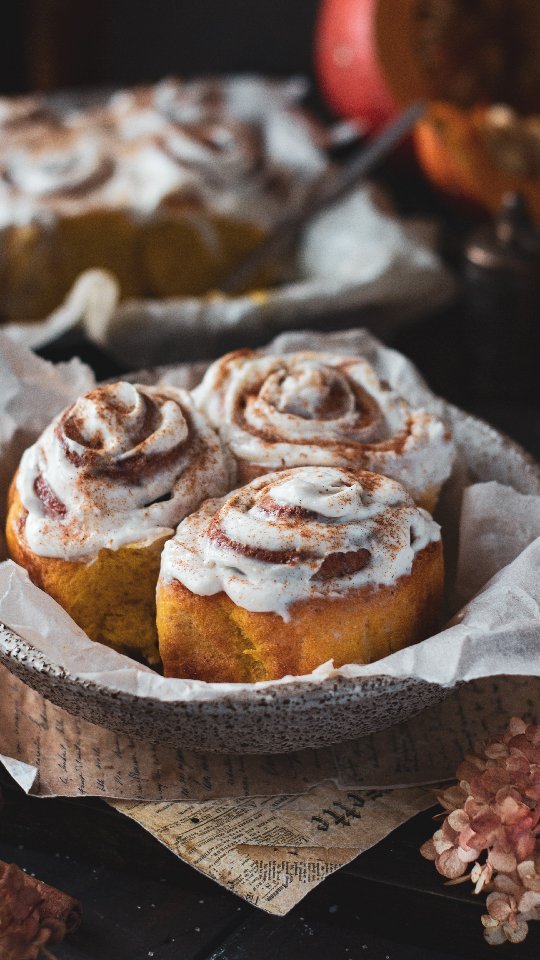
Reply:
x=269, y=828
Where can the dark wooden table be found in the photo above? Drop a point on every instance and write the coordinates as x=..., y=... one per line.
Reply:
x=140, y=901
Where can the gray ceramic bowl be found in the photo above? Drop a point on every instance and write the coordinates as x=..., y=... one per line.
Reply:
x=285, y=717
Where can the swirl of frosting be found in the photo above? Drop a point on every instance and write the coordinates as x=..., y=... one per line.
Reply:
x=190, y=102
x=224, y=150
x=298, y=534
x=65, y=164
x=124, y=464
x=316, y=408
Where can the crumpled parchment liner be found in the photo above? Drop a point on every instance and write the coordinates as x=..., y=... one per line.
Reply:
x=498, y=632
x=94, y=295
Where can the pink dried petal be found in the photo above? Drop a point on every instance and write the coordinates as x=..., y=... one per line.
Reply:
x=528, y=875
x=481, y=876
x=441, y=846
x=509, y=810
x=524, y=845
x=501, y=860
x=525, y=747
x=532, y=787
x=469, y=838
x=509, y=791
x=517, y=726
x=428, y=850
x=468, y=855
x=470, y=768
x=481, y=841
x=440, y=842
x=473, y=808
x=516, y=929
x=529, y=901
x=481, y=791
x=457, y=880
x=496, y=750
x=458, y=820
x=533, y=733
x=447, y=832
x=499, y=905
x=494, y=778
x=506, y=884
x=494, y=935
x=450, y=865
x=486, y=823
x=515, y=763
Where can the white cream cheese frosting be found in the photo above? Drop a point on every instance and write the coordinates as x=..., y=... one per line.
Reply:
x=236, y=146
x=124, y=464
x=318, y=408
x=65, y=165
x=298, y=534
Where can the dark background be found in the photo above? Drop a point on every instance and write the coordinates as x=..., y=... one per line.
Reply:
x=56, y=43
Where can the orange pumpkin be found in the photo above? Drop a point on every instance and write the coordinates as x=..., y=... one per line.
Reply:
x=478, y=155
x=373, y=55
x=365, y=53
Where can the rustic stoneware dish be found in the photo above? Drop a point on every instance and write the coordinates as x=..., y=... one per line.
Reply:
x=283, y=717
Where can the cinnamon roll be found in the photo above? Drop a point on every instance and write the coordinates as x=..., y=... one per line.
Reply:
x=167, y=185
x=275, y=412
x=97, y=496
x=297, y=568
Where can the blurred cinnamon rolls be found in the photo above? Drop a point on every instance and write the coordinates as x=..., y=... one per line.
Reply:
x=166, y=185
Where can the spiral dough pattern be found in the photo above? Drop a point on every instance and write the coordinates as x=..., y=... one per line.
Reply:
x=320, y=409
x=298, y=534
x=124, y=464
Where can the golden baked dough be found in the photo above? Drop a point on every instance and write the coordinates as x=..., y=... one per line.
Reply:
x=210, y=638
x=180, y=256
x=98, y=495
x=112, y=597
x=350, y=603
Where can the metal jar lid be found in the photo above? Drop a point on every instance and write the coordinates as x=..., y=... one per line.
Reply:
x=510, y=244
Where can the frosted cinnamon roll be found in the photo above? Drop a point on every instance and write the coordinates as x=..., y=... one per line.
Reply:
x=223, y=151
x=62, y=166
x=317, y=408
x=97, y=496
x=25, y=120
x=297, y=568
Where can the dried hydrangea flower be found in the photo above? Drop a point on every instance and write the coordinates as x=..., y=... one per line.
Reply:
x=493, y=821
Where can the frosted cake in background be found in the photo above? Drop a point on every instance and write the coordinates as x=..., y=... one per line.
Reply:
x=167, y=185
